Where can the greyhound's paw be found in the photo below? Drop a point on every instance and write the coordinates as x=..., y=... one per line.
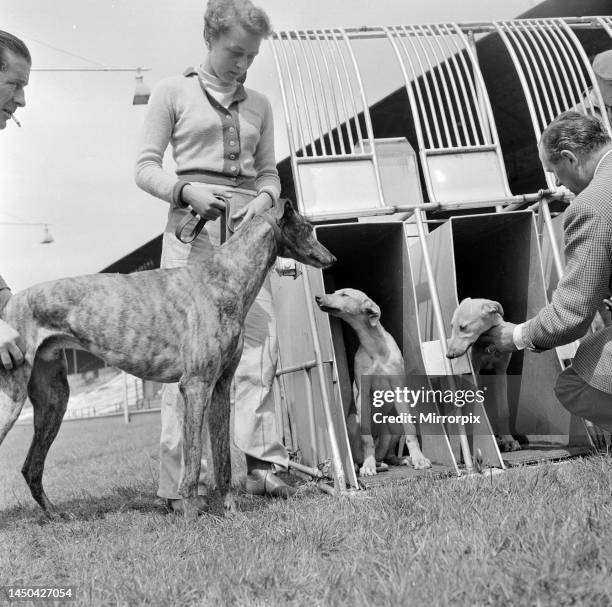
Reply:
x=394, y=460
x=420, y=462
x=190, y=507
x=54, y=515
x=508, y=443
x=368, y=468
x=229, y=504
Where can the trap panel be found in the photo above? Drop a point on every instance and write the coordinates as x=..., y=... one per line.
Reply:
x=497, y=256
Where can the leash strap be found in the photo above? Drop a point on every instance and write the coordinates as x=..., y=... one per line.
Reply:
x=190, y=236
x=194, y=232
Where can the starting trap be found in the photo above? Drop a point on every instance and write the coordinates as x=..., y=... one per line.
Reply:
x=417, y=231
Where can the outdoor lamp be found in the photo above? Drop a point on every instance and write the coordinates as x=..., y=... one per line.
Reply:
x=142, y=91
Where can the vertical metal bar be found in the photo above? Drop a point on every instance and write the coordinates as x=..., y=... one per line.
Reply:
x=315, y=105
x=554, y=245
x=480, y=95
x=413, y=108
x=449, y=99
x=470, y=74
x=425, y=83
x=561, y=26
x=292, y=148
x=606, y=23
x=126, y=410
x=322, y=109
x=412, y=84
x=355, y=118
x=305, y=102
x=437, y=310
x=587, y=64
x=311, y=417
x=291, y=128
x=325, y=51
x=367, y=119
x=432, y=71
x=329, y=420
x=413, y=103
x=540, y=33
x=471, y=135
x=521, y=74
x=488, y=119
x=523, y=34
x=541, y=120
x=569, y=73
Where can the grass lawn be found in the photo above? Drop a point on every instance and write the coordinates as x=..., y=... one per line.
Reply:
x=532, y=536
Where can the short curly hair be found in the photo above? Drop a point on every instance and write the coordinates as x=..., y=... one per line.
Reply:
x=220, y=15
x=575, y=132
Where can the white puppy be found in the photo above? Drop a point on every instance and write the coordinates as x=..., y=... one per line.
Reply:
x=379, y=355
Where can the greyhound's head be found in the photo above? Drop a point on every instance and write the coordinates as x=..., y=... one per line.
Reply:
x=295, y=237
x=471, y=319
x=351, y=305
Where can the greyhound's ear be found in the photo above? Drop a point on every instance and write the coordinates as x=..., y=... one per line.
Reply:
x=372, y=310
x=283, y=208
x=493, y=307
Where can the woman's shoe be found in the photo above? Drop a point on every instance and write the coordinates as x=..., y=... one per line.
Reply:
x=265, y=482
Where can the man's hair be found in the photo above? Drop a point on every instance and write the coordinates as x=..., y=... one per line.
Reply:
x=220, y=15
x=8, y=42
x=575, y=132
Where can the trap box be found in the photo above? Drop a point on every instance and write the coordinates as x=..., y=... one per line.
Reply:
x=498, y=256
x=373, y=258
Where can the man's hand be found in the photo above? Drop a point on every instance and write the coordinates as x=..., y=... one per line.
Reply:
x=208, y=202
x=499, y=338
x=11, y=347
x=260, y=204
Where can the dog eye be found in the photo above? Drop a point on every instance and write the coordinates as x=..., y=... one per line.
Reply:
x=462, y=327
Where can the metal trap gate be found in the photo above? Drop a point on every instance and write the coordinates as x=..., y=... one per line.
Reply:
x=342, y=175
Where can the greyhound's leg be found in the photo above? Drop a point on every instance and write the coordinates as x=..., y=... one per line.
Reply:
x=416, y=457
x=13, y=393
x=368, y=467
x=219, y=428
x=48, y=390
x=196, y=392
x=497, y=396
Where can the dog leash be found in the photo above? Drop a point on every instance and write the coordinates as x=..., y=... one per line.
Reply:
x=194, y=232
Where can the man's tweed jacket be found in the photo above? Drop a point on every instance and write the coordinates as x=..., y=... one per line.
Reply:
x=587, y=281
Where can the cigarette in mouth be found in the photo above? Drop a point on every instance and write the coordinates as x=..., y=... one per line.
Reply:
x=16, y=121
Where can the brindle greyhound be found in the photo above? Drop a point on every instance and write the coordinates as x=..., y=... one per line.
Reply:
x=181, y=324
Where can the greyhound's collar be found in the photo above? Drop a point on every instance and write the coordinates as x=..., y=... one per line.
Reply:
x=278, y=237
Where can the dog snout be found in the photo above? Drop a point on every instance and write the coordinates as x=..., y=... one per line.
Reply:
x=325, y=257
x=455, y=350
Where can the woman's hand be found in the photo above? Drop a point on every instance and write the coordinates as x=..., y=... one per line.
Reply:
x=208, y=202
x=260, y=204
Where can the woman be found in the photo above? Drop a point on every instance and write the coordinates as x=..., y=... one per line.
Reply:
x=223, y=145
